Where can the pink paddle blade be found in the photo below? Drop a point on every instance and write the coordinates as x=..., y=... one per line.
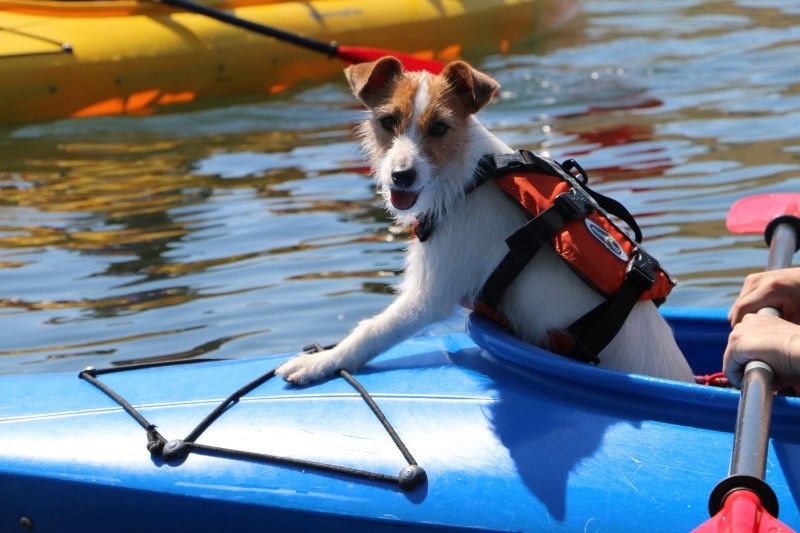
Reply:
x=753, y=213
x=743, y=513
x=358, y=54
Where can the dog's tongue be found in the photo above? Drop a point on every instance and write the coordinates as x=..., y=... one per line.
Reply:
x=403, y=199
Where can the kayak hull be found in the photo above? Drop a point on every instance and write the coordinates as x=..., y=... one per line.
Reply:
x=509, y=442
x=89, y=58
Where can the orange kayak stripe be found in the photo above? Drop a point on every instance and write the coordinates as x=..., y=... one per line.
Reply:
x=143, y=102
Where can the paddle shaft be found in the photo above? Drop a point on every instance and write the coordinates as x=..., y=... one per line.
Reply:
x=781, y=248
x=328, y=49
x=750, y=439
x=751, y=436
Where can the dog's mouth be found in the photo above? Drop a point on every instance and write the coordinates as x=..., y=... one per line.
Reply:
x=403, y=199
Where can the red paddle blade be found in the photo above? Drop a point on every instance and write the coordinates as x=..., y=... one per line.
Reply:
x=743, y=513
x=753, y=213
x=358, y=54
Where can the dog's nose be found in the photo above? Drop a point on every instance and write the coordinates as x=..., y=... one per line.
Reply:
x=404, y=178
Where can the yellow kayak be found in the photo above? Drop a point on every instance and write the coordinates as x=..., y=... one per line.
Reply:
x=103, y=57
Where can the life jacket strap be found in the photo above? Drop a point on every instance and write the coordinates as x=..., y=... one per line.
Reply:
x=589, y=335
x=426, y=224
x=424, y=228
x=520, y=162
x=596, y=329
x=524, y=243
x=496, y=165
x=490, y=166
x=574, y=169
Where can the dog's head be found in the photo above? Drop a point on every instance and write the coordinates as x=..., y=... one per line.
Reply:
x=418, y=131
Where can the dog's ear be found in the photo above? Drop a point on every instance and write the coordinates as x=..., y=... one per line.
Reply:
x=373, y=82
x=473, y=88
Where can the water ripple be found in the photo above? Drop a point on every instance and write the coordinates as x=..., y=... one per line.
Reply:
x=254, y=228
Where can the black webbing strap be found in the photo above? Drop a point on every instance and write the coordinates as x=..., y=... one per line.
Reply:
x=572, y=168
x=177, y=450
x=522, y=161
x=618, y=210
x=496, y=165
x=424, y=228
x=509, y=268
x=594, y=330
x=524, y=243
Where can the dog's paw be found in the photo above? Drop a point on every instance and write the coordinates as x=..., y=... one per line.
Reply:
x=308, y=368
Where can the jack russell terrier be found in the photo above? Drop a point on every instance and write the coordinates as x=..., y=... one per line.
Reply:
x=424, y=143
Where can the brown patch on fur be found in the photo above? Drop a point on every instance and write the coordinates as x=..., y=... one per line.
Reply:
x=374, y=82
x=443, y=106
x=400, y=106
x=474, y=88
x=455, y=94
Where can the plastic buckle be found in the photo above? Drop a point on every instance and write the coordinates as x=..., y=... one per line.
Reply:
x=573, y=204
x=642, y=270
x=569, y=165
x=519, y=161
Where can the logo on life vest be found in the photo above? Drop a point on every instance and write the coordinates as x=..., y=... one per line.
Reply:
x=606, y=240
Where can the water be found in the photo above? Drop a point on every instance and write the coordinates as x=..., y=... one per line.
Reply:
x=253, y=229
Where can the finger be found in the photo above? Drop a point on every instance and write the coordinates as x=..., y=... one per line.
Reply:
x=732, y=368
x=739, y=309
x=742, y=306
x=752, y=303
x=734, y=315
x=738, y=350
x=755, y=289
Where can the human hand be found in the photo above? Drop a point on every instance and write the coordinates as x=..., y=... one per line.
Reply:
x=779, y=289
x=764, y=338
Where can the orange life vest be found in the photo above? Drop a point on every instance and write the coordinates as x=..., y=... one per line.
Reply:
x=575, y=221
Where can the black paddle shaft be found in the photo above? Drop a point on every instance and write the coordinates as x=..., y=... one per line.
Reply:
x=755, y=404
x=328, y=49
x=751, y=436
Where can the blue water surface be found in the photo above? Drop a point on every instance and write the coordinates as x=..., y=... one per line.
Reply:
x=253, y=228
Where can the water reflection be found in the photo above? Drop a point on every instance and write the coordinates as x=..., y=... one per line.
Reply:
x=254, y=228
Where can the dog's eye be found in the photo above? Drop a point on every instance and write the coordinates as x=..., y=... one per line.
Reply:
x=389, y=123
x=438, y=129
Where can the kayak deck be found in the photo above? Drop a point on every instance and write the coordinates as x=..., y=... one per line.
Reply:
x=563, y=447
x=57, y=61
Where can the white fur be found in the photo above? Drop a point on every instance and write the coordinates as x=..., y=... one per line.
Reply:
x=468, y=243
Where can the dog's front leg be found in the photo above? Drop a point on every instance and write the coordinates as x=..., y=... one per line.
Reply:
x=406, y=315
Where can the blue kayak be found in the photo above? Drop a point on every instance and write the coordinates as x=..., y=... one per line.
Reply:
x=511, y=438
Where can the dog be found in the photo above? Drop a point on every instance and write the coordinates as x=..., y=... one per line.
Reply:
x=423, y=143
